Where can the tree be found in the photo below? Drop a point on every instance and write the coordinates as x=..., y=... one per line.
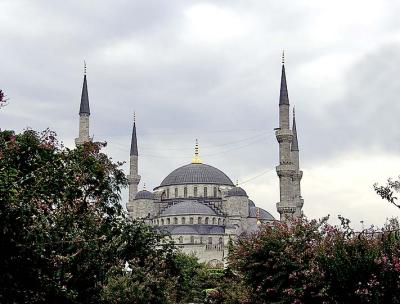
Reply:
x=64, y=235
x=3, y=99
x=388, y=191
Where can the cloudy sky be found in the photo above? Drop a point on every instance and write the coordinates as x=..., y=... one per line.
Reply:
x=211, y=70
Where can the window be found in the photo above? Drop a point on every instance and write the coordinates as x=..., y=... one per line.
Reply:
x=195, y=191
x=199, y=220
x=181, y=239
x=206, y=221
x=168, y=193
x=191, y=221
x=220, y=240
x=215, y=191
x=192, y=239
x=201, y=240
x=175, y=220
x=158, y=222
x=162, y=222
x=219, y=222
x=223, y=222
x=185, y=192
x=213, y=220
x=183, y=220
x=205, y=191
x=176, y=192
x=168, y=221
x=210, y=240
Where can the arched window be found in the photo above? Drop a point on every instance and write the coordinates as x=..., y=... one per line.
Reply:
x=215, y=191
x=219, y=222
x=213, y=221
x=168, y=193
x=183, y=221
x=181, y=239
x=158, y=223
x=206, y=221
x=192, y=239
x=175, y=220
x=185, y=192
x=176, y=192
x=168, y=221
x=210, y=240
x=162, y=222
x=191, y=220
x=205, y=191
x=223, y=222
x=195, y=191
x=201, y=240
x=220, y=240
x=199, y=220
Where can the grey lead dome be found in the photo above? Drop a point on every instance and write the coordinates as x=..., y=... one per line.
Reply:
x=188, y=207
x=237, y=191
x=196, y=174
x=144, y=194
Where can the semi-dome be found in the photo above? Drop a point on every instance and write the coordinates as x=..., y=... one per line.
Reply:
x=144, y=194
x=196, y=174
x=262, y=214
x=251, y=204
x=237, y=191
x=188, y=207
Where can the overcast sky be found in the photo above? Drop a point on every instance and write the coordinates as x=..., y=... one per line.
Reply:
x=211, y=70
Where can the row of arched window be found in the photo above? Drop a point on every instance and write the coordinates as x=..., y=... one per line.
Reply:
x=195, y=192
x=199, y=220
x=202, y=240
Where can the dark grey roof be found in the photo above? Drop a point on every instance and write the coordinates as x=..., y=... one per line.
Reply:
x=295, y=143
x=84, y=108
x=263, y=215
x=188, y=207
x=196, y=174
x=237, y=191
x=144, y=194
x=251, y=203
x=193, y=229
x=283, y=97
x=134, y=148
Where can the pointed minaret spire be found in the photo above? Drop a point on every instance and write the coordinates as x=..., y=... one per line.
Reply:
x=196, y=158
x=134, y=147
x=295, y=144
x=84, y=113
x=84, y=108
x=284, y=97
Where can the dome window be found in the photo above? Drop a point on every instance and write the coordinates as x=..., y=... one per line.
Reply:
x=195, y=191
x=185, y=192
x=205, y=192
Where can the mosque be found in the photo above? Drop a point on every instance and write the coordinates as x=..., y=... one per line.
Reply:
x=198, y=204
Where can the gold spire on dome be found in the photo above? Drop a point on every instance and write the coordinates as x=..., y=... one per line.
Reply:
x=196, y=158
x=144, y=186
x=237, y=183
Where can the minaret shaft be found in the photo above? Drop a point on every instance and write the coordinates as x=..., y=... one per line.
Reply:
x=84, y=115
x=133, y=177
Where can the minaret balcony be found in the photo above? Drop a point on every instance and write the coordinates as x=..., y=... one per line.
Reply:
x=285, y=209
x=286, y=170
x=284, y=135
x=297, y=175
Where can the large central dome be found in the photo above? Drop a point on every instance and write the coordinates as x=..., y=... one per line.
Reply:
x=196, y=174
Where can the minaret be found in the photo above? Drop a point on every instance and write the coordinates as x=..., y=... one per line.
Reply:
x=298, y=174
x=285, y=170
x=84, y=114
x=133, y=177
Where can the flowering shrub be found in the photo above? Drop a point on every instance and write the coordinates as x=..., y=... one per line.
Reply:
x=314, y=262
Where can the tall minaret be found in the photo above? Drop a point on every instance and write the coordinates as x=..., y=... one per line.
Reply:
x=84, y=114
x=285, y=170
x=298, y=174
x=133, y=177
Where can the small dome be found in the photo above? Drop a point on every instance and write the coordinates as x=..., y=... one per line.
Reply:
x=251, y=204
x=188, y=207
x=237, y=191
x=196, y=174
x=144, y=194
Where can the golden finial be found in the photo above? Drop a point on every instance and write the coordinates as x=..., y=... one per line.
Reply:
x=196, y=158
x=84, y=67
x=237, y=183
x=258, y=216
x=283, y=57
x=144, y=186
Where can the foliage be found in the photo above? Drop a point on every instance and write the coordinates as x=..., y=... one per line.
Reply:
x=3, y=99
x=387, y=191
x=314, y=262
x=65, y=237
